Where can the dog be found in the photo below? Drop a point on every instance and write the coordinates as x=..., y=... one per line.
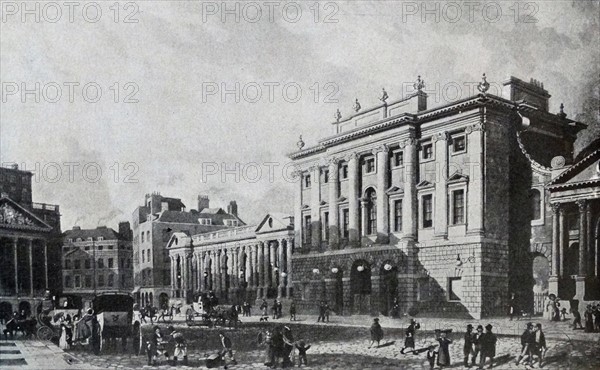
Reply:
x=264, y=319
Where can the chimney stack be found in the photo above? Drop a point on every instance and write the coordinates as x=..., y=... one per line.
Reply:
x=232, y=208
x=532, y=92
x=203, y=202
x=125, y=230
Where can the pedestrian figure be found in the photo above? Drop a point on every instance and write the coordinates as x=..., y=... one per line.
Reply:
x=512, y=306
x=274, y=309
x=488, y=346
x=279, y=309
x=527, y=343
x=477, y=344
x=409, y=341
x=597, y=318
x=180, y=346
x=540, y=347
x=376, y=332
x=468, y=345
x=264, y=306
x=156, y=347
x=321, y=312
x=288, y=346
x=443, y=351
x=63, y=341
x=431, y=353
x=277, y=346
x=293, y=311
x=302, y=348
x=576, y=318
x=589, y=319
x=227, y=347
x=266, y=339
x=327, y=312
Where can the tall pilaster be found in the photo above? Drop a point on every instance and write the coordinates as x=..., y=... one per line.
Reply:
x=16, y=264
x=409, y=202
x=553, y=279
x=383, y=228
x=562, y=241
x=266, y=266
x=261, y=268
x=582, y=204
x=333, y=203
x=281, y=267
x=353, y=198
x=315, y=206
x=298, y=220
x=441, y=187
x=289, y=245
x=475, y=201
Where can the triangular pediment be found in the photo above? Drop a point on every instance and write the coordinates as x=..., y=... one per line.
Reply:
x=458, y=177
x=323, y=203
x=275, y=222
x=342, y=199
x=424, y=184
x=305, y=206
x=394, y=190
x=585, y=171
x=15, y=216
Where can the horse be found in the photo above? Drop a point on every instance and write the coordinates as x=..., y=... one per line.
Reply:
x=168, y=312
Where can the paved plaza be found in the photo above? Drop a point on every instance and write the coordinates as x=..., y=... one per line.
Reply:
x=341, y=344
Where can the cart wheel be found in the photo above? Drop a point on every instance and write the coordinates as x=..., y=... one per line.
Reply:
x=136, y=338
x=45, y=333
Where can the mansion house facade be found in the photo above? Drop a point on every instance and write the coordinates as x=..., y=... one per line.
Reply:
x=440, y=208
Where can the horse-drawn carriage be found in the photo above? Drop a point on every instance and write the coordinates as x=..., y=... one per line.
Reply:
x=201, y=313
x=113, y=318
x=49, y=318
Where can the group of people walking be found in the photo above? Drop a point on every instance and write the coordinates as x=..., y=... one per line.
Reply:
x=279, y=346
x=533, y=344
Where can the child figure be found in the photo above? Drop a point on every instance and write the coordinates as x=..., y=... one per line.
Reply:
x=431, y=353
x=302, y=348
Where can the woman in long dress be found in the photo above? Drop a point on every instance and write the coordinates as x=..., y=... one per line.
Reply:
x=443, y=351
x=63, y=342
x=548, y=308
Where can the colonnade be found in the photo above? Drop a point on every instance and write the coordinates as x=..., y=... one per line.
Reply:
x=23, y=252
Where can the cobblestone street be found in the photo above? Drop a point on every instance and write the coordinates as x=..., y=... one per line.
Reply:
x=337, y=346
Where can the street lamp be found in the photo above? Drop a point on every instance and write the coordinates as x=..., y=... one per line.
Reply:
x=460, y=262
x=335, y=270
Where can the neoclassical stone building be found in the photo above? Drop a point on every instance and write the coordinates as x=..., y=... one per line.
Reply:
x=436, y=207
x=243, y=263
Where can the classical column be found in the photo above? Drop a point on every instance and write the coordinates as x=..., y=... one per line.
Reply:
x=441, y=188
x=266, y=266
x=30, y=247
x=562, y=239
x=553, y=279
x=409, y=202
x=475, y=201
x=383, y=224
x=15, y=250
x=289, y=245
x=281, y=267
x=298, y=220
x=582, y=204
x=201, y=271
x=353, y=202
x=171, y=276
x=45, y=264
x=315, y=206
x=215, y=270
x=333, y=203
x=590, y=242
x=260, y=283
x=273, y=263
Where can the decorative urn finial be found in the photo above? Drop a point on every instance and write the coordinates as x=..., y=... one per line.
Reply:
x=562, y=113
x=420, y=84
x=483, y=86
x=356, y=105
x=300, y=143
x=337, y=116
x=384, y=95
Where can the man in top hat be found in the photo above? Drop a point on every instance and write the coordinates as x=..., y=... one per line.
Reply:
x=540, y=347
x=468, y=346
x=527, y=342
x=477, y=344
x=488, y=346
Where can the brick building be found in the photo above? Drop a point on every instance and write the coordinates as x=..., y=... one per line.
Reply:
x=153, y=225
x=237, y=264
x=438, y=207
x=97, y=260
x=29, y=241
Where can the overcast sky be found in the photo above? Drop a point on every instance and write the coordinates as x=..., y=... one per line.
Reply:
x=179, y=52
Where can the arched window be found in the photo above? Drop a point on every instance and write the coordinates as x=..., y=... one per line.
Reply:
x=371, y=209
x=535, y=200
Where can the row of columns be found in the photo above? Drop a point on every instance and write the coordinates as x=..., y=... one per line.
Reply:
x=15, y=248
x=256, y=266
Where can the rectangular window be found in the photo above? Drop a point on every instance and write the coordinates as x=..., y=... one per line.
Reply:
x=100, y=263
x=307, y=229
x=398, y=215
x=346, y=222
x=423, y=289
x=369, y=165
x=77, y=264
x=143, y=255
x=458, y=207
x=459, y=144
x=110, y=247
x=372, y=221
x=100, y=247
x=344, y=171
x=111, y=280
x=397, y=158
x=77, y=281
x=455, y=289
x=110, y=263
x=326, y=226
x=88, y=281
x=307, y=181
x=67, y=281
x=325, y=174
x=427, y=206
x=67, y=264
x=100, y=280
x=148, y=255
x=427, y=150
x=88, y=264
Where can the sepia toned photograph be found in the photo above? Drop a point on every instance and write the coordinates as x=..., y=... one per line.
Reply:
x=356, y=184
